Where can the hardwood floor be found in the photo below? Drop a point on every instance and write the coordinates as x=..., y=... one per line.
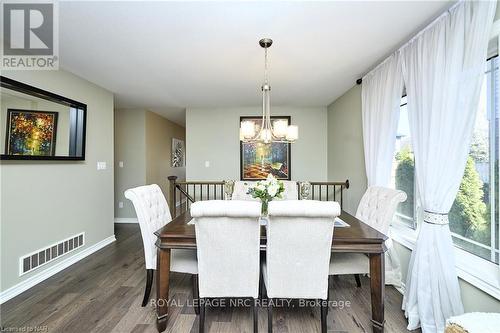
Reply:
x=103, y=293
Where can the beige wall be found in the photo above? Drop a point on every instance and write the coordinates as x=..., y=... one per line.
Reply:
x=345, y=146
x=213, y=135
x=130, y=148
x=143, y=142
x=345, y=139
x=159, y=134
x=45, y=202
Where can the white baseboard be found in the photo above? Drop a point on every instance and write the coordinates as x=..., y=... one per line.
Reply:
x=126, y=220
x=401, y=289
x=52, y=270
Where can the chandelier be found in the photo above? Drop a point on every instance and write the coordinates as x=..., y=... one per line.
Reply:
x=276, y=131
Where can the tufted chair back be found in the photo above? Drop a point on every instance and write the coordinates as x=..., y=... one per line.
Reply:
x=378, y=205
x=299, y=243
x=228, y=243
x=153, y=213
x=241, y=189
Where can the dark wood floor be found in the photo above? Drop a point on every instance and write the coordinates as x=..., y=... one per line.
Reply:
x=103, y=293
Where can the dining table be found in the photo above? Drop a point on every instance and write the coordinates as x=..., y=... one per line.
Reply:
x=358, y=237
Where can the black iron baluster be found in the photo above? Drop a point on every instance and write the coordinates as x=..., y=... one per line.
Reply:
x=341, y=196
x=187, y=200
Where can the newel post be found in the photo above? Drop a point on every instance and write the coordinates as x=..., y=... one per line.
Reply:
x=342, y=193
x=172, y=204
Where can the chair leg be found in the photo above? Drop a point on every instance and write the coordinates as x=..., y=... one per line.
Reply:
x=269, y=316
x=261, y=276
x=261, y=287
x=196, y=294
x=202, y=316
x=358, y=280
x=330, y=277
x=255, y=317
x=324, y=315
x=149, y=283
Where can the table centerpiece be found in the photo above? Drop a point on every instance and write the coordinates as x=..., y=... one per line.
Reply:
x=267, y=190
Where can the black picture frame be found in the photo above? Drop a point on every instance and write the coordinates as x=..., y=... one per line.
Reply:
x=24, y=88
x=289, y=148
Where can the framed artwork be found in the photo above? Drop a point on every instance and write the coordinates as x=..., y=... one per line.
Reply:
x=31, y=133
x=257, y=160
x=178, y=153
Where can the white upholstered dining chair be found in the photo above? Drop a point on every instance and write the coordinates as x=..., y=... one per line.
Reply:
x=241, y=188
x=376, y=208
x=153, y=213
x=228, y=243
x=299, y=243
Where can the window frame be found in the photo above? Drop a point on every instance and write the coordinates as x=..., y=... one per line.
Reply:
x=481, y=273
x=416, y=204
x=492, y=157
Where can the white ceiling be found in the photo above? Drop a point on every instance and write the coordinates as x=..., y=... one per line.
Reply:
x=167, y=56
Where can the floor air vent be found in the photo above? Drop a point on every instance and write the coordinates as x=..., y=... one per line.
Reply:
x=43, y=256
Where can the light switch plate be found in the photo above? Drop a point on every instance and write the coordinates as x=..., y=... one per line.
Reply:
x=120, y=164
x=207, y=164
x=101, y=165
x=120, y=204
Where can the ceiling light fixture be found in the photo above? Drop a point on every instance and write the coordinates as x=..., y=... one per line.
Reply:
x=276, y=131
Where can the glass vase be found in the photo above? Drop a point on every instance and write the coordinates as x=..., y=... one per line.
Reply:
x=265, y=204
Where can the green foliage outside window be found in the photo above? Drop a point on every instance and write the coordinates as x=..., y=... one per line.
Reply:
x=469, y=214
x=405, y=180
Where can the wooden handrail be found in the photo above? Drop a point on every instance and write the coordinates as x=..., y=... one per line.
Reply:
x=321, y=190
x=201, y=183
x=345, y=184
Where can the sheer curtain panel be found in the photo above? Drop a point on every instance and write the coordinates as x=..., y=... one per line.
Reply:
x=442, y=67
x=381, y=97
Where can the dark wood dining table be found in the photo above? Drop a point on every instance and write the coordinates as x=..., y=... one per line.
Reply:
x=358, y=238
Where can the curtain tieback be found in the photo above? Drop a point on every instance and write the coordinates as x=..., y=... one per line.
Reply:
x=435, y=218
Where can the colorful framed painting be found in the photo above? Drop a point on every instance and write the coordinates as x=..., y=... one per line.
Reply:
x=31, y=133
x=257, y=160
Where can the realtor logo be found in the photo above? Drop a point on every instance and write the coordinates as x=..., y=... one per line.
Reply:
x=29, y=36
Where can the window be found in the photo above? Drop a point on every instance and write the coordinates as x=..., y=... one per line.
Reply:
x=474, y=216
x=403, y=169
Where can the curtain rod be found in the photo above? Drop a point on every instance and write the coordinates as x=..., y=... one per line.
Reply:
x=431, y=24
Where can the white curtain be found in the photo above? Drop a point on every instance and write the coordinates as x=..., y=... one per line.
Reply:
x=381, y=98
x=443, y=68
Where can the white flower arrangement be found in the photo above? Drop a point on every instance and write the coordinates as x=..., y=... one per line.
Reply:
x=267, y=190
